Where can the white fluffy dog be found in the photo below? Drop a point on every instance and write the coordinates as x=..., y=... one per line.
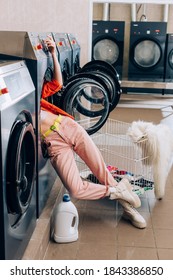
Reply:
x=157, y=147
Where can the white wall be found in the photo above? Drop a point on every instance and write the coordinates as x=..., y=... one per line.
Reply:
x=60, y=16
x=42, y=15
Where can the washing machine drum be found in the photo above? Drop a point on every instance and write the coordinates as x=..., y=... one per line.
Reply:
x=85, y=96
x=106, y=50
x=20, y=174
x=147, y=54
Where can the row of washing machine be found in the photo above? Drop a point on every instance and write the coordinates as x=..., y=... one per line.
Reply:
x=150, y=48
x=26, y=175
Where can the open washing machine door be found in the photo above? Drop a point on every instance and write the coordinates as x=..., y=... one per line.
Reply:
x=20, y=171
x=90, y=95
x=85, y=97
x=107, y=72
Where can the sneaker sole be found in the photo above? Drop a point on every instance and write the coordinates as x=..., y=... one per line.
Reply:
x=136, y=224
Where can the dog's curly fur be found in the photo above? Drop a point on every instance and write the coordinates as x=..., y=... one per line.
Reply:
x=157, y=148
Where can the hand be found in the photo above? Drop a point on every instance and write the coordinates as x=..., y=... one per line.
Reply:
x=50, y=44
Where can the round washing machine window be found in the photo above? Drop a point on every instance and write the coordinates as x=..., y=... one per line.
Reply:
x=106, y=70
x=147, y=54
x=20, y=176
x=87, y=100
x=170, y=59
x=106, y=50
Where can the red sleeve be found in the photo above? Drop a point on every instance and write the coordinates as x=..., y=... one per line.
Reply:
x=49, y=88
x=45, y=105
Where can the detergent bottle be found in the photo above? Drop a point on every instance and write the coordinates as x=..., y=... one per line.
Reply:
x=66, y=221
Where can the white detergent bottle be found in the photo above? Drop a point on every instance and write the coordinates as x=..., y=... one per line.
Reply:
x=66, y=221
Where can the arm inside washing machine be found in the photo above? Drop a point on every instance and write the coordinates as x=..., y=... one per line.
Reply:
x=57, y=75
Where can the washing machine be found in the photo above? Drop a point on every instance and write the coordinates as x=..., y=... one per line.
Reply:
x=17, y=159
x=169, y=59
x=38, y=60
x=147, y=51
x=64, y=54
x=75, y=47
x=31, y=47
x=108, y=43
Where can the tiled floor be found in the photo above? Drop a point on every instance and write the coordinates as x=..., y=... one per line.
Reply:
x=103, y=234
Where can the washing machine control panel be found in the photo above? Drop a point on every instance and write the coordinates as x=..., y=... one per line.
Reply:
x=62, y=42
x=73, y=42
x=109, y=28
x=15, y=82
x=38, y=44
x=148, y=28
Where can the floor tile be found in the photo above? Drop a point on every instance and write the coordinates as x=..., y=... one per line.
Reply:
x=99, y=227
x=169, y=192
x=33, y=252
x=101, y=251
x=137, y=253
x=165, y=254
x=162, y=220
x=164, y=238
x=56, y=251
x=128, y=235
x=160, y=206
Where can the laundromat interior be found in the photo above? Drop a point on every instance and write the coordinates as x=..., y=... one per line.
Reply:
x=116, y=59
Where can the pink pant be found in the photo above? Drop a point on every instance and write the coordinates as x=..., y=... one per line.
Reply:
x=62, y=144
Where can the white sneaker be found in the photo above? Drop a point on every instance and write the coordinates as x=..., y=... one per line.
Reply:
x=132, y=215
x=123, y=191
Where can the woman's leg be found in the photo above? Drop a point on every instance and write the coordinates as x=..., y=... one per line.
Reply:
x=62, y=158
x=84, y=146
x=60, y=148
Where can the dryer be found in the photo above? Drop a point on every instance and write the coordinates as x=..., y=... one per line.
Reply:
x=75, y=47
x=17, y=159
x=169, y=59
x=64, y=54
x=147, y=51
x=108, y=43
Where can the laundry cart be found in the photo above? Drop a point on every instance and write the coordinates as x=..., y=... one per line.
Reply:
x=123, y=158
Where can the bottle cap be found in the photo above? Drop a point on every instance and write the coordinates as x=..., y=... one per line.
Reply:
x=66, y=197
